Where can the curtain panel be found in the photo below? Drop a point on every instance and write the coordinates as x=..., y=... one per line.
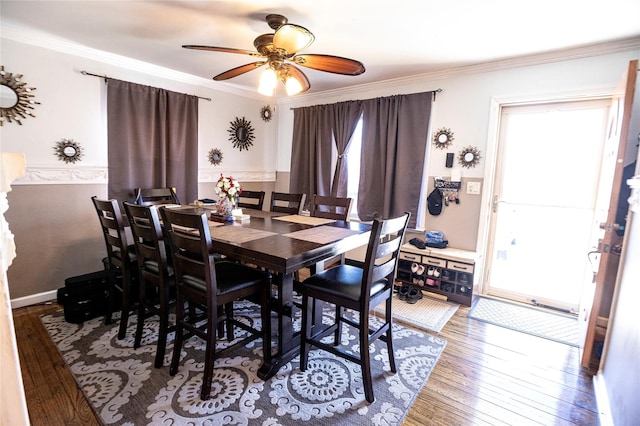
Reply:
x=152, y=140
x=345, y=116
x=394, y=146
x=394, y=143
x=311, y=151
x=315, y=129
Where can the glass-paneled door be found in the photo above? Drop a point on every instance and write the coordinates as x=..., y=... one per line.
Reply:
x=544, y=197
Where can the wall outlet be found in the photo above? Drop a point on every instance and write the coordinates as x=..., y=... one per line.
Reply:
x=473, y=188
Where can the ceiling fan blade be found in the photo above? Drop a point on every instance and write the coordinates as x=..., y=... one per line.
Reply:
x=292, y=38
x=330, y=63
x=298, y=75
x=234, y=72
x=221, y=49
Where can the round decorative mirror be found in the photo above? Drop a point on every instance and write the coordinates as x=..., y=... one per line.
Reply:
x=8, y=98
x=469, y=157
x=266, y=113
x=68, y=151
x=241, y=133
x=16, y=100
x=215, y=156
x=443, y=138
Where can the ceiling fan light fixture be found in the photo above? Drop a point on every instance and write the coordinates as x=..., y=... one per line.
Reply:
x=293, y=86
x=292, y=38
x=268, y=81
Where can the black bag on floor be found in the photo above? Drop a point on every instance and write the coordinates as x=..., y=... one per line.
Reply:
x=85, y=297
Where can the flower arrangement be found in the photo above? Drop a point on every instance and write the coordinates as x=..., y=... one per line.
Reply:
x=229, y=188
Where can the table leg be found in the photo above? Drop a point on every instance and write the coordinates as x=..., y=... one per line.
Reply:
x=288, y=341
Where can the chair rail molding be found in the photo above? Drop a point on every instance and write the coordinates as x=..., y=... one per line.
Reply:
x=46, y=175
x=212, y=175
x=63, y=175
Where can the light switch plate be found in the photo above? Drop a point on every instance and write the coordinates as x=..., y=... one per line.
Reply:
x=473, y=188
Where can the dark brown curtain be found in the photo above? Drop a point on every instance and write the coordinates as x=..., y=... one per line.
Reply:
x=311, y=151
x=314, y=130
x=394, y=141
x=345, y=117
x=152, y=140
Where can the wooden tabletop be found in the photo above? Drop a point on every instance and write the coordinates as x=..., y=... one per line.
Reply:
x=284, y=244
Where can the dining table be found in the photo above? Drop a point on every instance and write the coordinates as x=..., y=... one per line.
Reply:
x=283, y=244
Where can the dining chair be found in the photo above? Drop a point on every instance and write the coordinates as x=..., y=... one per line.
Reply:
x=328, y=207
x=122, y=260
x=360, y=290
x=251, y=199
x=338, y=208
x=151, y=196
x=156, y=274
x=214, y=286
x=282, y=202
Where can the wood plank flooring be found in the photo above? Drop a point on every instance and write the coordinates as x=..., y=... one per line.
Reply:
x=487, y=375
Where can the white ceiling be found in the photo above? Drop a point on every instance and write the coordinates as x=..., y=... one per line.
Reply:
x=393, y=38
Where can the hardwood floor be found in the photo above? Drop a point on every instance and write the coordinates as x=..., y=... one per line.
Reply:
x=487, y=375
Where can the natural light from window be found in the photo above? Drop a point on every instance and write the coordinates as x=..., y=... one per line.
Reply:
x=353, y=167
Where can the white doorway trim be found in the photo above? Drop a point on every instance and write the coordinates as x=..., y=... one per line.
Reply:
x=491, y=152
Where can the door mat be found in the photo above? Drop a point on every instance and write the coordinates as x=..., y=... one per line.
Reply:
x=548, y=325
x=124, y=388
x=427, y=313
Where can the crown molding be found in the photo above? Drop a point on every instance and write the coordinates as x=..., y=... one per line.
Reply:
x=100, y=175
x=613, y=47
x=47, y=41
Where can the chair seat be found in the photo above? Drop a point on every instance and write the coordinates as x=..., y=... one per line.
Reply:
x=131, y=254
x=231, y=277
x=152, y=266
x=344, y=281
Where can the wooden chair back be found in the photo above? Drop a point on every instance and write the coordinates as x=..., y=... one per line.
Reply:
x=155, y=196
x=338, y=208
x=251, y=200
x=113, y=230
x=381, y=260
x=283, y=202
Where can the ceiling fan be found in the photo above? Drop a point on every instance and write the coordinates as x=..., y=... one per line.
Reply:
x=278, y=51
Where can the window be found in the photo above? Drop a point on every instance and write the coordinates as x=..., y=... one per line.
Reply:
x=353, y=167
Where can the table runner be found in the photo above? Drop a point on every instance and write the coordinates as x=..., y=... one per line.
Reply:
x=321, y=234
x=306, y=220
x=237, y=234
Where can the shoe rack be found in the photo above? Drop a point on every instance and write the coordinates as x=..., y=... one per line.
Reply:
x=446, y=272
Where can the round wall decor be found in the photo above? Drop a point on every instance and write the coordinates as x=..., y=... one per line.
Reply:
x=215, y=156
x=266, y=113
x=469, y=156
x=16, y=100
x=443, y=138
x=241, y=133
x=68, y=151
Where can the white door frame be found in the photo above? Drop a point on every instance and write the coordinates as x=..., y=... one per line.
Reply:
x=491, y=154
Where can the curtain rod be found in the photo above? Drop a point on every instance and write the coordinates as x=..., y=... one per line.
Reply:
x=83, y=72
x=434, y=96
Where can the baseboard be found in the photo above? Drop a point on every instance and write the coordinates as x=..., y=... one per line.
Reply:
x=34, y=299
x=602, y=400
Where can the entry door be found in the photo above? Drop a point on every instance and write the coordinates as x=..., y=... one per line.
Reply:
x=544, y=198
x=609, y=214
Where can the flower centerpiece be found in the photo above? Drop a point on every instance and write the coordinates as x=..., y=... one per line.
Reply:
x=228, y=189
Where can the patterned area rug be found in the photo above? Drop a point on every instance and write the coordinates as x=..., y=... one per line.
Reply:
x=124, y=388
x=427, y=313
x=548, y=325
